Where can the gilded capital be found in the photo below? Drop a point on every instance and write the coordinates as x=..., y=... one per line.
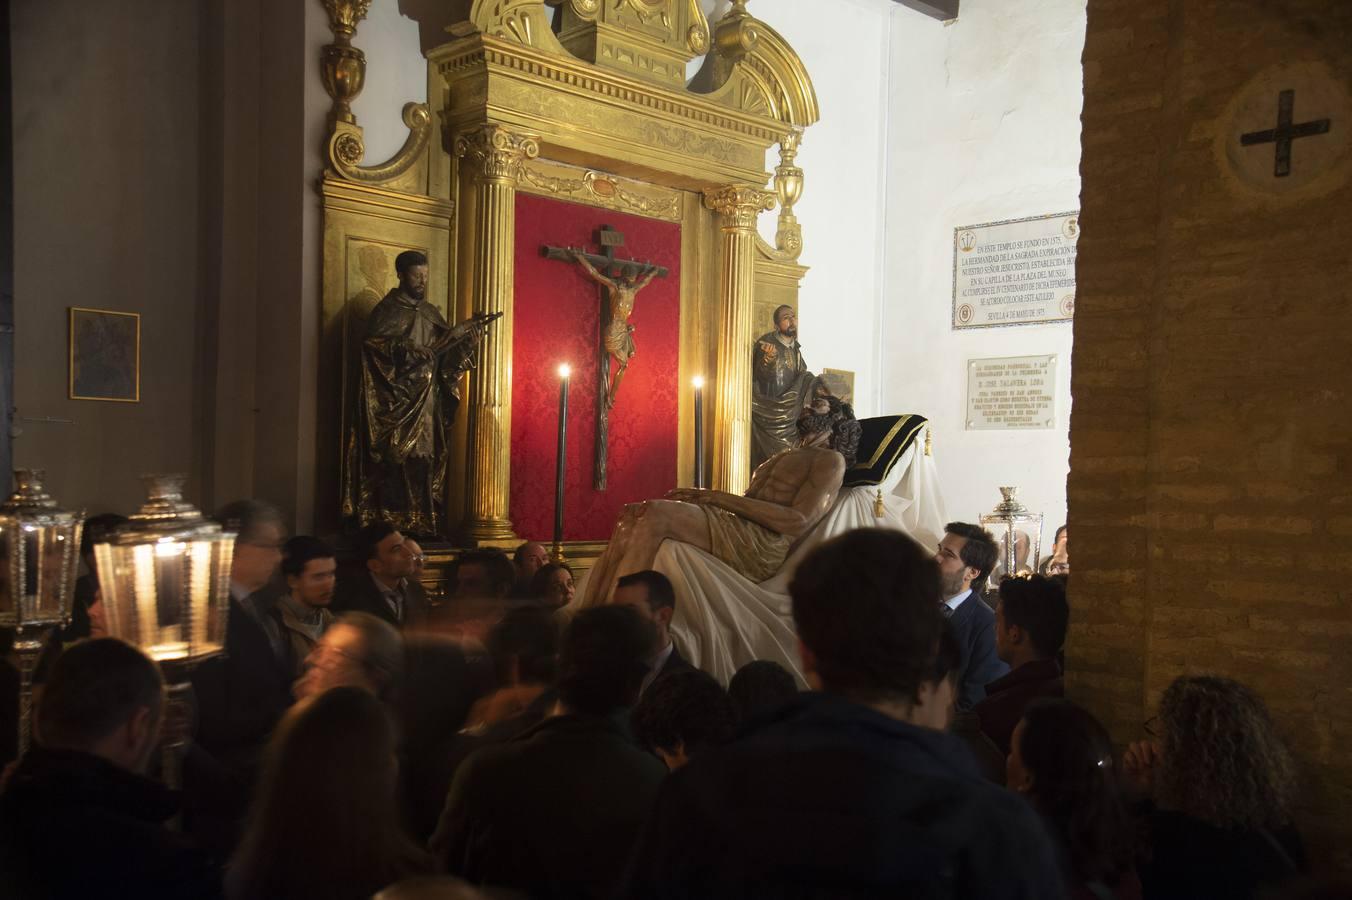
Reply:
x=345, y=14
x=739, y=206
x=498, y=152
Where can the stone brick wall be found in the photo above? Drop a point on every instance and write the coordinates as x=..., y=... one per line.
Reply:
x=1210, y=490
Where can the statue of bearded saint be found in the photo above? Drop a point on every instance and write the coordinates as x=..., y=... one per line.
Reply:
x=396, y=454
x=752, y=533
x=781, y=387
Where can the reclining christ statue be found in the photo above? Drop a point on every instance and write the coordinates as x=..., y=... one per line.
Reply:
x=789, y=494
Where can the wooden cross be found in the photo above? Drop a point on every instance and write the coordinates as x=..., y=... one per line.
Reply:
x=1285, y=133
x=605, y=262
x=614, y=291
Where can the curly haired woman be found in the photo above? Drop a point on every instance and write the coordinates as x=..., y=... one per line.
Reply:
x=1222, y=784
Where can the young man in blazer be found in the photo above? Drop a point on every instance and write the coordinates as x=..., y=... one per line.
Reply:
x=966, y=556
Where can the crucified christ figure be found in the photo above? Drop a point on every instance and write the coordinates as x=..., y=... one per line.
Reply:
x=617, y=334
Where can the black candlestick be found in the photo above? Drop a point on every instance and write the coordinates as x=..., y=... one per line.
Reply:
x=564, y=373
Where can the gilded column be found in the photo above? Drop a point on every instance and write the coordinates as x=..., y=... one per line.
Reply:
x=739, y=207
x=495, y=156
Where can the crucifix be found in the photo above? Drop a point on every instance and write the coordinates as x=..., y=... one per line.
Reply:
x=618, y=283
x=1285, y=133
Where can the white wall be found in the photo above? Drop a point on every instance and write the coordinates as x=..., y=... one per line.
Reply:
x=396, y=73
x=844, y=197
x=984, y=126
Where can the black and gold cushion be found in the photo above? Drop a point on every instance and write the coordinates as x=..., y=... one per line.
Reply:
x=884, y=440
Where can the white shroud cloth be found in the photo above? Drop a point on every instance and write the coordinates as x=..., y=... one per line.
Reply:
x=723, y=621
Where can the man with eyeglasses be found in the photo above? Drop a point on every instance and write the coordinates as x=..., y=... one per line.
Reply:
x=359, y=650
x=966, y=556
x=389, y=588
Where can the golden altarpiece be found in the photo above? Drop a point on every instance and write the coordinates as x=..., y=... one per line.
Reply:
x=585, y=101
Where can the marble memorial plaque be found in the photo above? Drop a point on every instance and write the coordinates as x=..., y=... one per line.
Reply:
x=1013, y=392
x=1020, y=272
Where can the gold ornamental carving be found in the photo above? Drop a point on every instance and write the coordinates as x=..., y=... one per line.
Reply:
x=648, y=39
x=497, y=152
x=599, y=189
x=739, y=206
x=789, y=190
x=752, y=67
x=343, y=68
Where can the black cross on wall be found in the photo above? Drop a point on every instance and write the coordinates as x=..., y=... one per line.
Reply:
x=1285, y=133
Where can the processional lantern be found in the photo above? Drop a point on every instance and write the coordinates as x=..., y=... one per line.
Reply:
x=39, y=557
x=165, y=578
x=1018, y=535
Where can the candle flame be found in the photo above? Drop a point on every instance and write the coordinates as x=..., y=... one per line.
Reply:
x=565, y=370
x=697, y=381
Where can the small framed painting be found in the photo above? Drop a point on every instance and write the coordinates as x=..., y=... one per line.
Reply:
x=105, y=355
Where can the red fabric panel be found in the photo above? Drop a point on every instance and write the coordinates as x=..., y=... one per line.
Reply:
x=557, y=314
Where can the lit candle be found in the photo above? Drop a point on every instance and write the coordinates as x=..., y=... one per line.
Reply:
x=564, y=372
x=698, y=382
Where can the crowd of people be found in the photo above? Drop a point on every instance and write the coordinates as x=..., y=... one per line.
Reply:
x=359, y=740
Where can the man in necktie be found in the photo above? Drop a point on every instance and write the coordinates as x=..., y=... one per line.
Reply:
x=387, y=589
x=966, y=556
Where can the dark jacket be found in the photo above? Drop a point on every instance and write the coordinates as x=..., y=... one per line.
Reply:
x=1008, y=697
x=827, y=798
x=1191, y=860
x=74, y=825
x=554, y=813
x=359, y=593
x=242, y=693
x=973, y=625
x=427, y=775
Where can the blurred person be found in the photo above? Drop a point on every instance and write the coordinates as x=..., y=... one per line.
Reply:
x=1061, y=760
x=97, y=530
x=1222, y=786
x=418, y=557
x=553, y=585
x=1058, y=561
x=1030, y=628
x=761, y=686
x=555, y=812
x=438, y=887
x=310, y=568
x=359, y=650
x=78, y=811
x=524, y=651
x=387, y=588
x=242, y=693
x=324, y=821
x=684, y=714
x=482, y=574
x=651, y=594
x=528, y=559
x=852, y=789
x=966, y=556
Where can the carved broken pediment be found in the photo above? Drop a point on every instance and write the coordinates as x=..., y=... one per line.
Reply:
x=752, y=68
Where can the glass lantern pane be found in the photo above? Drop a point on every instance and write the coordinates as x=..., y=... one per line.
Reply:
x=9, y=569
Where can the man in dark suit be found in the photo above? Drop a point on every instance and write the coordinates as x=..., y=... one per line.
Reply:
x=853, y=790
x=387, y=589
x=966, y=557
x=555, y=813
x=79, y=811
x=652, y=595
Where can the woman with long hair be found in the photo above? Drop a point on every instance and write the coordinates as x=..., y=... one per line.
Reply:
x=324, y=822
x=553, y=585
x=1222, y=784
x=1061, y=759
